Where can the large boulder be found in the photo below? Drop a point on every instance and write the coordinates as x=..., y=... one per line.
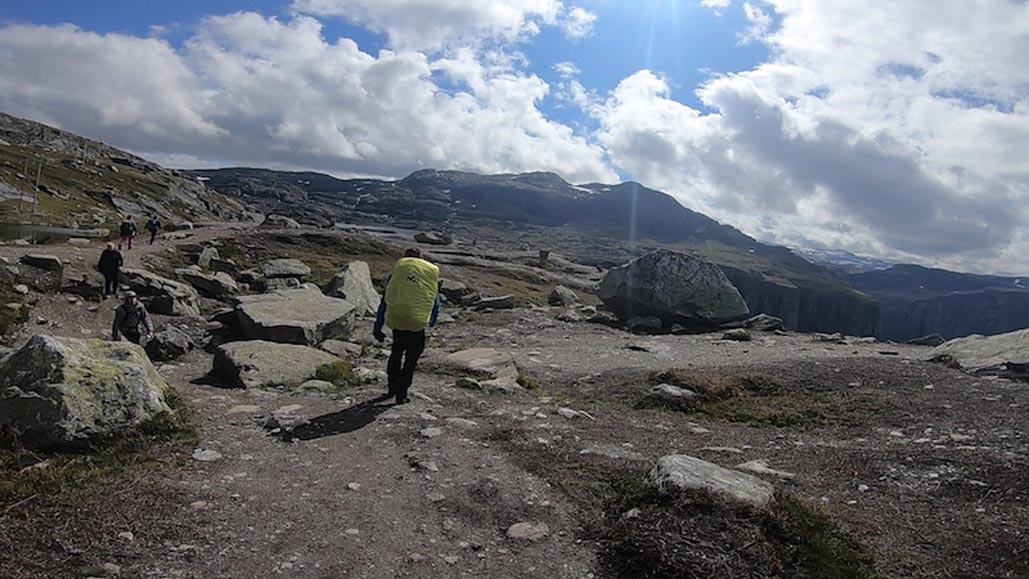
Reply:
x=261, y=364
x=1000, y=355
x=496, y=369
x=280, y=268
x=295, y=316
x=679, y=473
x=43, y=273
x=58, y=392
x=162, y=295
x=676, y=287
x=354, y=284
x=218, y=285
x=169, y=344
x=562, y=296
x=206, y=255
x=458, y=293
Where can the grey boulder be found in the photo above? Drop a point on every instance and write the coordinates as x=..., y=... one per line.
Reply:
x=169, y=344
x=562, y=296
x=354, y=284
x=676, y=287
x=268, y=365
x=680, y=473
x=277, y=268
x=1001, y=355
x=498, y=368
x=280, y=221
x=295, y=316
x=218, y=285
x=63, y=392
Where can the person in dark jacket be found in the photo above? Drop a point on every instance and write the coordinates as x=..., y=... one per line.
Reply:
x=153, y=226
x=110, y=266
x=127, y=231
x=129, y=318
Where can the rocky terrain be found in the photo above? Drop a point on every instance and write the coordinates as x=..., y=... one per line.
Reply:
x=86, y=185
x=544, y=438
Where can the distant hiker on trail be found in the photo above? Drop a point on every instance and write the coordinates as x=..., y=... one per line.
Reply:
x=411, y=303
x=110, y=266
x=128, y=233
x=153, y=226
x=128, y=318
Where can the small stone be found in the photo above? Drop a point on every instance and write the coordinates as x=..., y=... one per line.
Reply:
x=288, y=410
x=416, y=558
x=468, y=383
x=353, y=532
x=568, y=413
x=863, y=488
x=21, y=289
x=206, y=455
x=200, y=505
x=528, y=531
x=430, y=432
x=353, y=486
x=244, y=409
x=462, y=422
x=451, y=559
x=111, y=569
x=127, y=536
x=436, y=497
x=737, y=335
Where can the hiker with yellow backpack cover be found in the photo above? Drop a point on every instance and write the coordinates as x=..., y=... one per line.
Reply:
x=410, y=303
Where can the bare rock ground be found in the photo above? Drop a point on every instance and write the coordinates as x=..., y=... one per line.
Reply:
x=927, y=466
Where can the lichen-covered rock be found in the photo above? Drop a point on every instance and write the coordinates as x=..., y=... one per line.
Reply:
x=682, y=473
x=162, y=295
x=60, y=392
x=268, y=365
x=295, y=316
x=286, y=268
x=354, y=284
x=43, y=273
x=676, y=287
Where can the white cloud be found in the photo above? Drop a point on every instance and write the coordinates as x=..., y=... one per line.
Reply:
x=897, y=130
x=760, y=23
x=567, y=69
x=254, y=90
x=431, y=24
x=717, y=5
x=578, y=23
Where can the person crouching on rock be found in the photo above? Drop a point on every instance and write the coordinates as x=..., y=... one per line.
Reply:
x=109, y=266
x=411, y=303
x=128, y=318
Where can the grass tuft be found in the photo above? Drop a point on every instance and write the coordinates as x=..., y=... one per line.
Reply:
x=339, y=373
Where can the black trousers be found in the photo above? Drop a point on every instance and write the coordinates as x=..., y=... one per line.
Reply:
x=132, y=335
x=153, y=235
x=407, y=348
x=110, y=283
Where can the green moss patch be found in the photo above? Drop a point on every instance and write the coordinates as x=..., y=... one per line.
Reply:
x=339, y=373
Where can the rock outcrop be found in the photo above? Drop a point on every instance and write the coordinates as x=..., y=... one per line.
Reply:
x=457, y=292
x=43, y=273
x=1002, y=355
x=280, y=221
x=676, y=287
x=354, y=284
x=59, y=392
x=562, y=296
x=262, y=364
x=295, y=316
x=433, y=238
x=682, y=473
x=162, y=295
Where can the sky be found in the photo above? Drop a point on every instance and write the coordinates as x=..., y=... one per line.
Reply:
x=897, y=130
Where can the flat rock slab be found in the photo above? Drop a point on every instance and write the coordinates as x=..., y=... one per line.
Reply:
x=682, y=473
x=498, y=366
x=268, y=365
x=296, y=316
x=58, y=392
x=217, y=285
x=286, y=268
x=1003, y=354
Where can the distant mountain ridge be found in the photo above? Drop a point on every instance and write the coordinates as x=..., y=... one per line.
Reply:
x=917, y=301
x=772, y=279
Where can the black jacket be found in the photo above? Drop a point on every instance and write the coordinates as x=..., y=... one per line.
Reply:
x=110, y=261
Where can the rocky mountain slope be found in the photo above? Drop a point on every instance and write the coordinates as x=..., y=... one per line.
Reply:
x=619, y=221
x=917, y=300
x=84, y=183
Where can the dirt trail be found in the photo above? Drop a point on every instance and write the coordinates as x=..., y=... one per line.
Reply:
x=927, y=466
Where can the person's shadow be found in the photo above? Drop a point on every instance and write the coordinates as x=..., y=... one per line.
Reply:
x=348, y=420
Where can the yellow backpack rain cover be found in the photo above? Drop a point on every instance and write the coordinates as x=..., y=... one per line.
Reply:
x=411, y=294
